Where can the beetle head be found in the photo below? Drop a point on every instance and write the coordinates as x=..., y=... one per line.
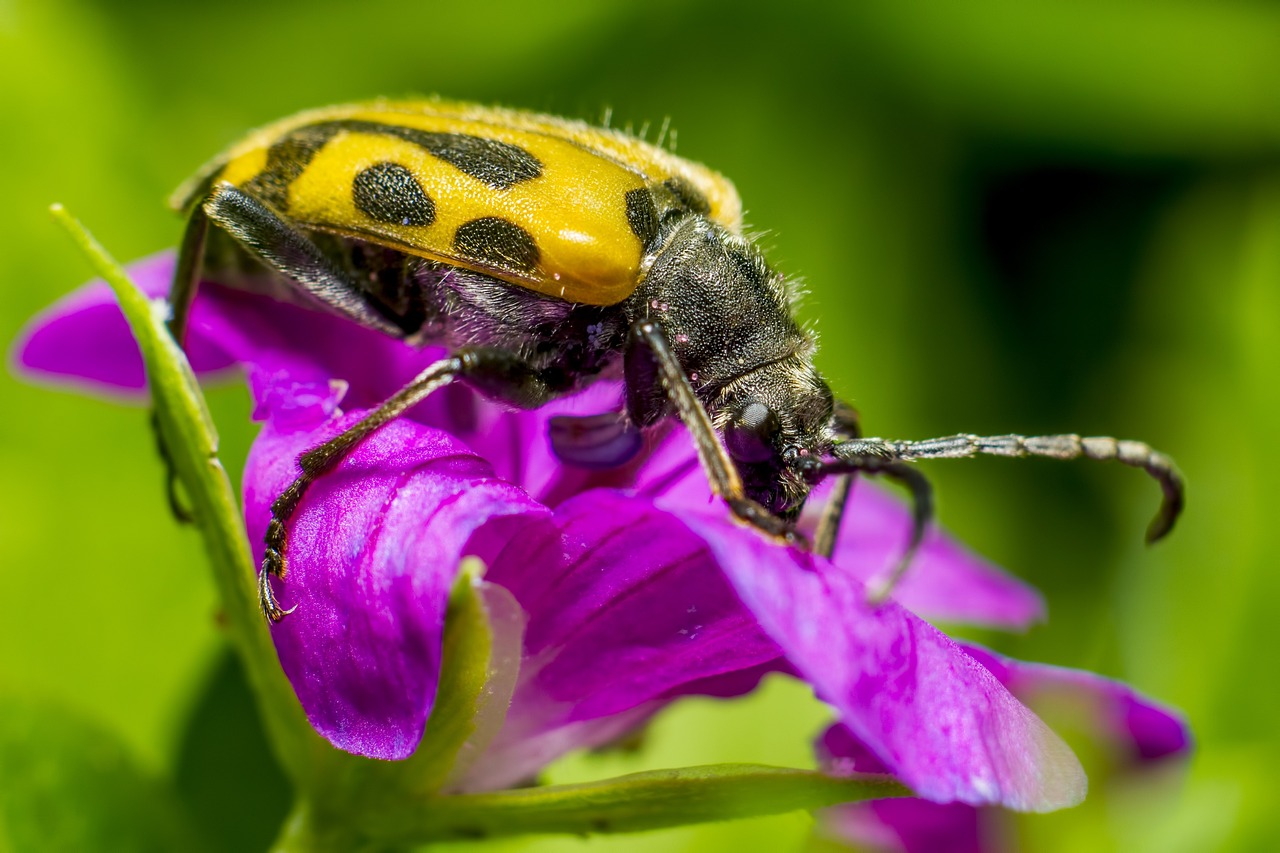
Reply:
x=776, y=423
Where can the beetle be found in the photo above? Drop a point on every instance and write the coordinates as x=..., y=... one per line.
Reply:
x=545, y=254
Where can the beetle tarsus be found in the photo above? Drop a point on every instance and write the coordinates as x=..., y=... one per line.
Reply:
x=921, y=516
x=266, y=595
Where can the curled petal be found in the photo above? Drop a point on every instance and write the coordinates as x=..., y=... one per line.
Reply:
x=373, y=550
x=946, y=582
x=933, y=715
x=83, y=339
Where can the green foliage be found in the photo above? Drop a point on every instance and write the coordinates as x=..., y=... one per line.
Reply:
x=71, y=785
x=1011, y=217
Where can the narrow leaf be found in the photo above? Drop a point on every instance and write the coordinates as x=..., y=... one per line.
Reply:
x=192, y=445
x=476, y=681
x=643, y=801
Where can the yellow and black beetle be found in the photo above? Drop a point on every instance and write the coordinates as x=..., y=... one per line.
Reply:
x=545, y=254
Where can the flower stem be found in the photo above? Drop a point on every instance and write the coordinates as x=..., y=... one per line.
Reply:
x=302, y=833
x=642, y=801
x=192, y=444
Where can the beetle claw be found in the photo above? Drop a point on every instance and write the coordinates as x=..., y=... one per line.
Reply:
x=267, y=596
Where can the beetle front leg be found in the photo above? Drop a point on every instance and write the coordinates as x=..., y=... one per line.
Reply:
x=287, y=249
x=496, y=373
x=182, y=291
x=649, y=365
x=845, y=425
x=872, y=454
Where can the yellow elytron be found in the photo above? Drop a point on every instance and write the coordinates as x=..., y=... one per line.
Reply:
x=564, y=184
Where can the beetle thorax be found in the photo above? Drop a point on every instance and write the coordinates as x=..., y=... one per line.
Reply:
x=723, y=310
x=727, y=316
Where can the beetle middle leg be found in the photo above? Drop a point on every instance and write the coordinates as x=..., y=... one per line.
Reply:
x=655, y=380
x=494, y=372
x=283, y=247
x=846, y=426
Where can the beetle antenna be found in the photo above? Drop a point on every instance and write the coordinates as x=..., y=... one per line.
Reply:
x=875, y=454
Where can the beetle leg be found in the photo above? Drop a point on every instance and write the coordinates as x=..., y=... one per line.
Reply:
x=921, y=515
x=844, y=422
x=186, y=277
x=649, y=364
x=871, y=454
x=283, y=247
x=496, y=373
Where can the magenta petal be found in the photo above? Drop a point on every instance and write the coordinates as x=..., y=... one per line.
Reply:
x=911, y=825
x=83, y=339
x=1140, y=729
x=1136, y=728
x=281, y=339
x=373, y=550
x=626, y=610
x=908, y=824
x=946, y=582
x=936, y=718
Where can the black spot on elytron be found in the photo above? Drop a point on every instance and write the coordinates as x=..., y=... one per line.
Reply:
x=389, y=193
x=497, y=243
x=688, y=196
x=287, y=158
x=642, y=215
x=500, y=165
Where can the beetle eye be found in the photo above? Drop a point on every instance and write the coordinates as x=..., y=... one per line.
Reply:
x=749, y=436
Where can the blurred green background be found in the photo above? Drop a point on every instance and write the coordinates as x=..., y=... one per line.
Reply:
x=1012, y=217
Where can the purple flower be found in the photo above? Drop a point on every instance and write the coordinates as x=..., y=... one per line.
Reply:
x=1132, y=729
x=634, y=586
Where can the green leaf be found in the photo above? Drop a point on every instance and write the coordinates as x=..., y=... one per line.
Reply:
x=192, y=444
x=66, y=784
x=1181, y=78
x=643, y=801
x=483, y=633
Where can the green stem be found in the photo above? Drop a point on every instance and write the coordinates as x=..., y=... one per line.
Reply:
x=643, y=801
x=303, y=832
x=193, y=444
